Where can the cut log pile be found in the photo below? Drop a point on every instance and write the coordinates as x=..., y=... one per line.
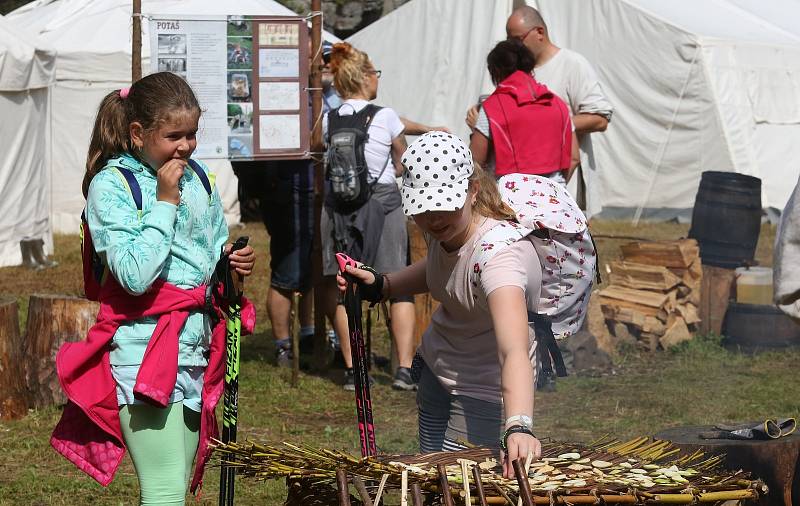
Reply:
x=654, y=293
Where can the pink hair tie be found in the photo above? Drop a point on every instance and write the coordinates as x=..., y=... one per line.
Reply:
x=124, y=92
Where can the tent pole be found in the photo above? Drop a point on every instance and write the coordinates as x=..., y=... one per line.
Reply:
x=315, y=78
x=136, y=49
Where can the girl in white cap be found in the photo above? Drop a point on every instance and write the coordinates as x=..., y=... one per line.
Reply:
x=476, y=383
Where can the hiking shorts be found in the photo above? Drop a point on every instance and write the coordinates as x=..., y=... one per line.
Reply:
x=287, y=210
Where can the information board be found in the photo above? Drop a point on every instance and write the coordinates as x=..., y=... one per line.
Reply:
x=250, y=75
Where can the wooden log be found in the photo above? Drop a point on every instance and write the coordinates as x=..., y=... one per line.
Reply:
x=612, y=311
x=715, y=294
x=677, y=333
x=52, y=321
x=649, y=341
x=679, y=254
x=689, y=313
x=623, y=332
x=14, y=397
x=645, y=302
x=642, y=276
x=774, y=461
x=424, y=305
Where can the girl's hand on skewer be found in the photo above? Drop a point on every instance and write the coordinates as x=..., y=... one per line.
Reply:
x=362, y=276
x=242, y=260
x=519, y=445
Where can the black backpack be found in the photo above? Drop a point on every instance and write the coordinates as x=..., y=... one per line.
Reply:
x=347, y=170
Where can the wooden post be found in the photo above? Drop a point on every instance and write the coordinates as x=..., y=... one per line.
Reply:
x=447, y=495
x=321, y=360
x=522, y=480
x=362, y=491
x=14, y=396
x=416, y=494
x=424, y=305
x=294, y=331
x=136, y=42
x=715, y=293
x=341, y=486
x=52, y=321
x=476, y=475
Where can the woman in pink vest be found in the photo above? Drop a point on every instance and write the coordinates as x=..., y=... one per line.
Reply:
x=524, y=125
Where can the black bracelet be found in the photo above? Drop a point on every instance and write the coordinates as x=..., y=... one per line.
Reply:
x=514, y=429
x=372, y=292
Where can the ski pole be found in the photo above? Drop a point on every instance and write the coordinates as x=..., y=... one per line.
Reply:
x=230, y=412
x=352, y=305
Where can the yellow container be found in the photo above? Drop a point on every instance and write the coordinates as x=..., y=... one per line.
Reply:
x=754, y=285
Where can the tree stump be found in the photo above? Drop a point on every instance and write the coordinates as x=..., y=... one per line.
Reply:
x=14, y=396
x=52, y=321
x=774, y=461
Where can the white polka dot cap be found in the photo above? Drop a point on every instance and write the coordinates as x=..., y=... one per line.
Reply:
x=438, y=167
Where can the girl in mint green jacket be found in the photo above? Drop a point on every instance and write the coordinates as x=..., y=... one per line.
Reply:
x=150, y=129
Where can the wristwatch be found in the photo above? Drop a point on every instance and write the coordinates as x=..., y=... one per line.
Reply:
x=523, y=420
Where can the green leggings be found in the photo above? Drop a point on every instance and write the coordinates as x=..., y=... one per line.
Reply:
x=162, y=443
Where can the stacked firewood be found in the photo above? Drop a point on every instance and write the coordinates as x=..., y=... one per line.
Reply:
x=654, y=293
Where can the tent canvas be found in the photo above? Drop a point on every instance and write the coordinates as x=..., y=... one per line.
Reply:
x=93, y=40
x=696, y=85
x=26, y=72
x=725, y=95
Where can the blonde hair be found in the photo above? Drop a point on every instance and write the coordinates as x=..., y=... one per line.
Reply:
x=350, y=68
x=488, y=201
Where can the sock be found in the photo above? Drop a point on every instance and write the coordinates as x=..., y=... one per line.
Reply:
x=285, y=343
x=307, y=331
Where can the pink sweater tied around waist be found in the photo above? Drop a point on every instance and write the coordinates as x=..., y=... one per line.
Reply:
x=89, y=433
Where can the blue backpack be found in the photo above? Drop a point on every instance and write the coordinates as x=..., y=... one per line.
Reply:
x=95, y=272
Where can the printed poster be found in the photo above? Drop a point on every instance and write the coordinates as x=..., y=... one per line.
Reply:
x=250, y=76
x=195, y=50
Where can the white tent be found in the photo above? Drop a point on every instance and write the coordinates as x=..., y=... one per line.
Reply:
x=696, y=84
x=93, y=40
x=26, y=72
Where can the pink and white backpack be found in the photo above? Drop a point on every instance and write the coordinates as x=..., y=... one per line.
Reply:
x=548, y=216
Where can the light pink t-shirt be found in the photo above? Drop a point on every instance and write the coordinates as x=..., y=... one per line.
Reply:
x=460, y=346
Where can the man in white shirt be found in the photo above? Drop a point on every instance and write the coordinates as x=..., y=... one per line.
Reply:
x=570, y=76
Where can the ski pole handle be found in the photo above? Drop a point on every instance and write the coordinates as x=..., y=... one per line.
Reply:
x=240, y=243
x=238, y=279
x=344, y=261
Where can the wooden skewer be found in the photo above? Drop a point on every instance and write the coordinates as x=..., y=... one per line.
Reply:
x=341, y=485
x=476, y=475
x=447, y=496
x=362, y=491
x=522, y=480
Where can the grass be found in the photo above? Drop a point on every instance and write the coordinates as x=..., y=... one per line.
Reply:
x=698, y=383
